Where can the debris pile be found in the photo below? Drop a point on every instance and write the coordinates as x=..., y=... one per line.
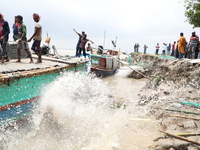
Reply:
x=172, y=96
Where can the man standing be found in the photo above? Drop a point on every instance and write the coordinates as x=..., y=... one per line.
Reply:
x=181, y=46
x=194, y=41
x=37, y=37
x=168, y=49
x=79, y=41
x=164, y=49
x=4, y=32
x=173, y=48
x=22, y=42
x=15, y=29
x=157, y=48
x=145, y=49
x=135, y=48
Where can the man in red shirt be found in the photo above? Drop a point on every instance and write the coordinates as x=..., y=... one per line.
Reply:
x=194, y=41
x=173, y=48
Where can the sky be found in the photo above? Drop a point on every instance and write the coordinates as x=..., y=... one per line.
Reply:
x=130, y=21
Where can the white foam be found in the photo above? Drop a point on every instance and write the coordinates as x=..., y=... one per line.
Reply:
x=74, y=113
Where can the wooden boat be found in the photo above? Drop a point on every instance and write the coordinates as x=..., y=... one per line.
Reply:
x=21, y=85
x=103, y=65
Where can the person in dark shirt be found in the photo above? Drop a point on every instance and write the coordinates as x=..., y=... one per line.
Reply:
x=84, y=40
x=22, y=41
x=79, y=41
x=15, y=29
x=4, y=35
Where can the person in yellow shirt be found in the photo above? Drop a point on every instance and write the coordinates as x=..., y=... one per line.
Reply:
x=181, y=46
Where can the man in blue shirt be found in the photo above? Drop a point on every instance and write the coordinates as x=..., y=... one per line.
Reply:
x=79, y=41
x=168, y=49
x=15, y=29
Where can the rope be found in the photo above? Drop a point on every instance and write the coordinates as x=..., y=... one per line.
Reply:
x=56, y=52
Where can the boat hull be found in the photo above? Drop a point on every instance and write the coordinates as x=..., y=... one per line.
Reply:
x=19, y=93
x=102, y=72
x=103, y=65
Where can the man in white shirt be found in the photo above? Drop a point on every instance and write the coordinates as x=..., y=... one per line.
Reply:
x=37, y=37
x=157, y=48
x=164, y=49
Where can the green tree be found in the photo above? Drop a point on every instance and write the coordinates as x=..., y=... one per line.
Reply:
x=192, y=12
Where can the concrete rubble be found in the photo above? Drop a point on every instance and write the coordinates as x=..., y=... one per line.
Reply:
x=12, y=51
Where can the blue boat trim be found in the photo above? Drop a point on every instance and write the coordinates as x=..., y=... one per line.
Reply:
x=12, y=105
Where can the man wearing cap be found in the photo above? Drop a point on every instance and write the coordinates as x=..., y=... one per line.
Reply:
x=194, y=41
x=4, y=35
x=22, y=42
x=37, y=37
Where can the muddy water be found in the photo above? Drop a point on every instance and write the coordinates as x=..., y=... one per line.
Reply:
x=120, y=85
x=138, y=132
x=77, y=112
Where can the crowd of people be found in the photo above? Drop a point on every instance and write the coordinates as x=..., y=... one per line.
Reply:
x=20, y=36
x=137, y=46
x=178, y=49
x=181, y=48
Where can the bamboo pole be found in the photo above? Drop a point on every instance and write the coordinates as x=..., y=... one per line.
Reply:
x=186, y=134
x=185, y=117
x=187, y=112
x=133, y=69
x=180, y=138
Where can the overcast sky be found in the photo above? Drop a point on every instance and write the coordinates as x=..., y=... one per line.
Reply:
x=132, y=21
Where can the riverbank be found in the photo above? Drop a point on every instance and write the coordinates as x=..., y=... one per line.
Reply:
x=171, y=84
x=115, y=112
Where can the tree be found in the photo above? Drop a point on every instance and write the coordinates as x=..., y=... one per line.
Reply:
x=192, y=12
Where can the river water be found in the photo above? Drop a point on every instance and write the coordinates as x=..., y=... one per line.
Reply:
x=79, y=112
